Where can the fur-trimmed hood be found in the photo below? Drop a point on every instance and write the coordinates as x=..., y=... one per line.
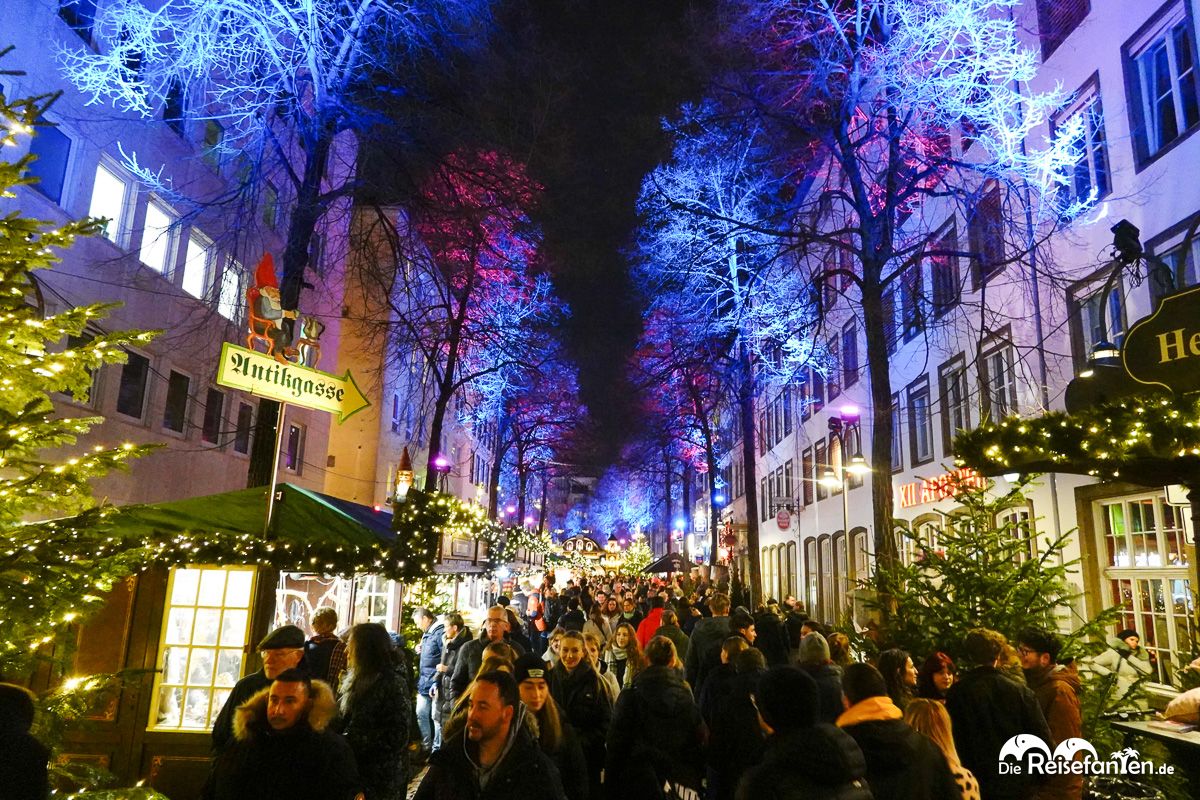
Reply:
x=252, y=714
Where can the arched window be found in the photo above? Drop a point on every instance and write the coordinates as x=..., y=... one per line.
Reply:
x=828, y=609
x=791, y=571
x=928, y=531
x=811, y=577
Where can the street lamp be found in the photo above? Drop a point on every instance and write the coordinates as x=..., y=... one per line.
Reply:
x=441, y=465
x=846, y=428
x=404, y=476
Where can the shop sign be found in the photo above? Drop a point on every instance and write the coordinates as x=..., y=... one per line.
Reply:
x=783, y=519
x=264, y=376
x=933, y=490
x=1163, y=349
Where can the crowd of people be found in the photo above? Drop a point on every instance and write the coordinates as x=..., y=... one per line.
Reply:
x=636, y=688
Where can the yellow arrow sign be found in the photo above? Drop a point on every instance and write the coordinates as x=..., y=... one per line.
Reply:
x=260, y=374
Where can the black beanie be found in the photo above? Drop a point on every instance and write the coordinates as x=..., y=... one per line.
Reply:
x=530, y=666
x=787, y=698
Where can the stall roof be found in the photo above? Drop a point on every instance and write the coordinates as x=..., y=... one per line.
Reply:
x=671, y=562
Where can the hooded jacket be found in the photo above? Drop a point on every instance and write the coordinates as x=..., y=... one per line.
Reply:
x=1057, y=691
x=649, y=626
x=901, y=763
x=446, y=696
x=376, y=728
x=678, y=638
x=736, y=740
x=1127, y=665
x=656, y=735
x=431, y=656
x=523, y=771
x=706, y=636
x=813, y=763
x=829, y=689
x=305, y=762
x=584, y=703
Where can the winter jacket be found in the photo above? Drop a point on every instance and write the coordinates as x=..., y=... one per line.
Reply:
x=829, y=690
x=450, y=651
x=326, y=658
x=816, y=763
x=1057, y=691
x=376, y=727
x=305, y=762
x=649, y=626
x=600, y=631
x=584, y=702
x=468, y=661
x=736, y=740
x=901, y=763
x=243, y=690
x=618, y=664
x=1128, y=666
x=523, y=772
x=432, y=642
x=573, y=620
x=656, y=736
x=571, y=765
x=678, y=638
x=771, y=639
x=707, y=635
x=987, y=708
x=24, y=768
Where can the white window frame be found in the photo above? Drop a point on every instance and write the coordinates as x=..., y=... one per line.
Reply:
x=225, y=646
x=231, y=299
x=116, y=230
x=1092, y=141
x=1138, y=51
x=198, y=240
x=158, y=243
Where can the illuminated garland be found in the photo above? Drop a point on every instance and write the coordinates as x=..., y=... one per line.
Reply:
x=1148, y=440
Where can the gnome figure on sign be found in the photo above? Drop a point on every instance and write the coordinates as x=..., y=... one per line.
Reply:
x=269, y=322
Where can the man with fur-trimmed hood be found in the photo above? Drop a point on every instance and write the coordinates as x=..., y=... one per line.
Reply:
x=282, y=747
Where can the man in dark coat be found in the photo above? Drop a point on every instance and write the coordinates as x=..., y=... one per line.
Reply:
x=771, y=638
x=494, y=757
x=657, y=737
x=429, y=655
x=987, y=708
x=282, y=747
x=581, y=696
x=470, y=657
x=736, y=740
x=24, y=767
x=813, y=658
x=707, y=634
x=804, y=759
x=901, y=763
x=282, y=649
x=457, y=635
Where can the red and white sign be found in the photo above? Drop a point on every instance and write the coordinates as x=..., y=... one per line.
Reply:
x=933, y=490
x=783, y=519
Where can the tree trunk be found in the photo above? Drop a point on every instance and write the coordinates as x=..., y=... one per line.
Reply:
x=542, y=511
x=882, y=434
x=446, y=386
x=668, y=526
x=497, y=464
x=303, y=222
x=746, y=410
x=710, y=458
x=685, y=491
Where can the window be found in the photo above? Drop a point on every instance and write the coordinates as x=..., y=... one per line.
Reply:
x=396, y=419
x=270, y=205
x=806, y=475
x=205, y=628
x=841, y=568
x=943, y=272
x=889, y=320
x=834, y=377
x=1160, y=68
x=293, y=451
x=74, y=342
x=375, y=601
x=52, y=148
x=1146, y=568
x=245, y=421
x=214, y=134
x=174, y=107
x=849, y=354
x=811, y=597
x=1056, y=20
x=788, y=489
x=805, y=397
x=156, y=251
x=999, y=382
x=1084, y=121
x=819, y=469
x=1086, y=329
x=912, y=316
x=956, y=409
x=175, y=411
x=826, y=605
x=1181, y=262
x=196, y=265
x=109, y=194
x=834, y=454
x=817, y=383
x=897, y=436
x=214, y=410
x=131, y=394
x=763, y=501
x=786, y=403
x=1018, y=520
x=920, y=422
x=986, y=228
x=231, y=302
x=80, y=16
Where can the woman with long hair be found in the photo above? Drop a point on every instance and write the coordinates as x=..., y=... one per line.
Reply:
x=929, y=717
x=596, y=624
x=376, y=706
x=581, y=696
x=624, y=656
x=899, y=674
x=936, y=676
x=592, y=645
x=552, y=642
x=556, y=738
x=612, y=613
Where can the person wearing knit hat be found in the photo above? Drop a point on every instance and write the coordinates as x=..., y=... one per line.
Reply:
x=557, y=739
x=1128, y=662
x=787, y=706
x=815, y=661
x=281, y=649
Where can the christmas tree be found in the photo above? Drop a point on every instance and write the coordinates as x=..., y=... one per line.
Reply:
x=53, y=573
x=637, y=556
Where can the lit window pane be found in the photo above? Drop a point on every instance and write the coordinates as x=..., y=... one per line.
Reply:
x=195, y=267
x=108, y=201
x=230, y=303
x=186, y=583
x=156, y=238
x=212, y=588
x=179, y=626
x=237, y=595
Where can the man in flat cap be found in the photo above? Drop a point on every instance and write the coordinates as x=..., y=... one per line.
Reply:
x=282, y=649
